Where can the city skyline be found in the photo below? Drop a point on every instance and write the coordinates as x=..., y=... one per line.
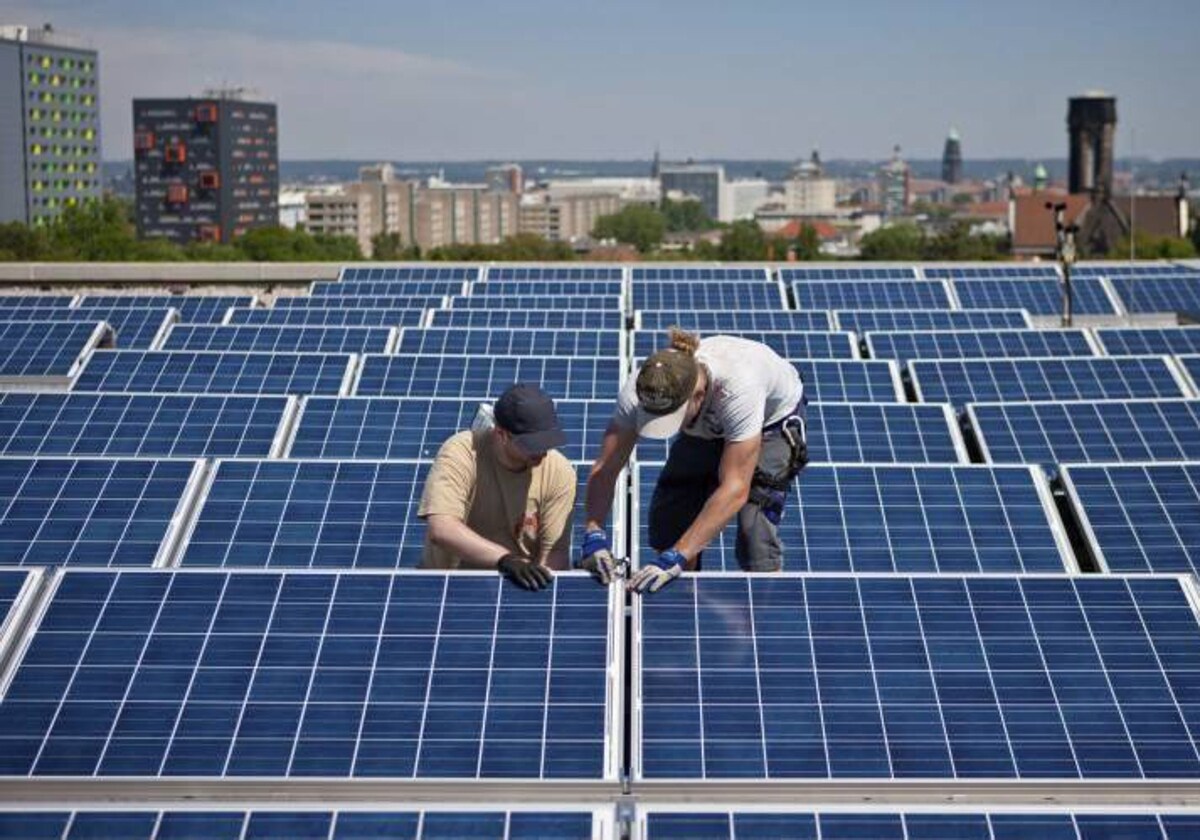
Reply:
x=534, y=80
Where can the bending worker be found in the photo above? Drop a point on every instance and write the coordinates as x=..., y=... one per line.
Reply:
x=740, y=408
x=499, y=496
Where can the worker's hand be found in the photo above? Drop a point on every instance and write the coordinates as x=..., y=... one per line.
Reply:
x=658, y=572
x=524, y=572
x=595, y=556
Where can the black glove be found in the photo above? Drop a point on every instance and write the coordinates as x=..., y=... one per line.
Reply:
x=523, y=572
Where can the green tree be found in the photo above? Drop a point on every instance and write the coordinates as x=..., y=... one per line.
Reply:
x=638, y=225
x=957, y=243
x=21, y=243
x=743, y=241
x=212, y=252
x=1150, y=247
x=903, y=242
x=685, y=216
x=278, y=244
x=99, y=231
x=807, y=245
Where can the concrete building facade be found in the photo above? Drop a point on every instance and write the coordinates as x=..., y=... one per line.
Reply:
x=206, y=169
x=703, y=182
x=49, y=124
x=566, y=218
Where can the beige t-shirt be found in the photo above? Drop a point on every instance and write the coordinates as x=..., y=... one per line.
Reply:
x=529, y=512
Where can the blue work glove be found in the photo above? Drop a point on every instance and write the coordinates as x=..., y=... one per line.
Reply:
x=595, y=556
x=658, y=572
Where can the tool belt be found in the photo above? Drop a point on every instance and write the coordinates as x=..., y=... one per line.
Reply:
x=769, y=489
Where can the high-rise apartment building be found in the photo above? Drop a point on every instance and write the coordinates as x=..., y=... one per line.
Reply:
x=952, y=162
x=566, y=218
x=206, y=169
x=702, y=182
x=895, y=181
x=49, y=124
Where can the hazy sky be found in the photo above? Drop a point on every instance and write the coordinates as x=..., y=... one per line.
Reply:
x=466, y=79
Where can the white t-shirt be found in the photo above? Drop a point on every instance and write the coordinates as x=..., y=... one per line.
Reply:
x=750, y=386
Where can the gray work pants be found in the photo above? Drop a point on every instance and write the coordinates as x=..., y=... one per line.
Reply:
x=690, y=477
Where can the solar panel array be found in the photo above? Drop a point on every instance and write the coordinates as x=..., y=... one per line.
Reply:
x=227, y=372
x=37, y=350
x=404, y=275
x=416, y=288
x=537, y=319
x=484, y=377
x=867, y=320
x=299, y=317
x=1038, y=296
x=978, y=344
x=713, y=321
x=193, y=309
x=1173, y=293
x=277, y=339
x=491, y=342
x=1134, y=341
x=137, y=328
x=881, y=294
x=790, y=345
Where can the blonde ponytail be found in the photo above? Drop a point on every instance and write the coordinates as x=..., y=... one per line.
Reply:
x=683, y=341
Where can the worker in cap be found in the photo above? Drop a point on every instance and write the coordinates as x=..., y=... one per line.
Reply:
x=499, y=495
x=737, y=412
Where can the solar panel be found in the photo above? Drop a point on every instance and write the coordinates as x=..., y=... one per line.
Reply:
x=493, y=342
x=877, y=294
x=554, y=272
x=1039, y=296
x=1050, y=433
x=360, y=302
x=1133, y=341
x=698, y=274
x=740, y=295
x=194, y=309
x=1146, y=269
x=8, y=301
x=478, y=822
x=1174, y=293
x=866, y=320
x=895, y=272
x=323, y=514
x=986, y=272
x=200, y=372
x=712, y=321
x=900, y=518
x=611, y=303
x=1191, y=367
x=135, y=328
x=280, y=339
x=146, y=425
x=414, y=676
x=931, y=677
x=416, y=427
x=299, y=317
x=486, y=378
x=16, y=589
x=866, y=433
x=536, y=319
x=400, y=275
x=92, y=511
x=1022, y=380
x=1138, y=517
x=790, y=345
x=850, y=380
x=978, y=343
x=33, y=350
x=385, y=288
x=495, y=288
x=947, y=823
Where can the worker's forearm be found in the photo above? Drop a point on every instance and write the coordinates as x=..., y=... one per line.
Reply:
x=600, y=488
x=721, y=507
x=473, y=550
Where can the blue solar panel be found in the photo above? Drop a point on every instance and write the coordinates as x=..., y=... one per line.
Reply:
x=1191, y=367
x=385, y=288
x=148, y=425
x=978, y=343
x=610, y=303
x=536, y=319
x=1040, y=297
x=493, y=342
x=1133, y=341
x=987, y=272
x=1174, y=293
x=194, y=309
x=12, y=584
x=949, y=824
x=849, y=380
x=360, y=302
x=1139, y=517
x=279, y=339
x=416, y=427
x=135, y=328
x=698, y=274
x=194, y=824
x=1024, y=380
x=400, y=275
x=26, y=301
x=493, y=288
x=866, y=320
x=788, y=275
x=91, y=511
x=1046, y=677
x=1061, y=433
x=554, y=272
x=47, y=348
x=1147, y=269
x=329, y=317
x=486, y=378
x=790, y=345
x=199, y=372
x=866, y=433
x=898, y=518
x=712, y=321
x=876, y=294
x=739, y=296
x=413, y=676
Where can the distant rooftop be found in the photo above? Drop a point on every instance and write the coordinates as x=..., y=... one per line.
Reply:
x=45, y=35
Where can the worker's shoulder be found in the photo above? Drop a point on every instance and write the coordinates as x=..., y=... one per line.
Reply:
x=458, y=445
x=556, y=466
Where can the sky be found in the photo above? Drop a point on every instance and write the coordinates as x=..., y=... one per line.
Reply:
x=411, y=80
